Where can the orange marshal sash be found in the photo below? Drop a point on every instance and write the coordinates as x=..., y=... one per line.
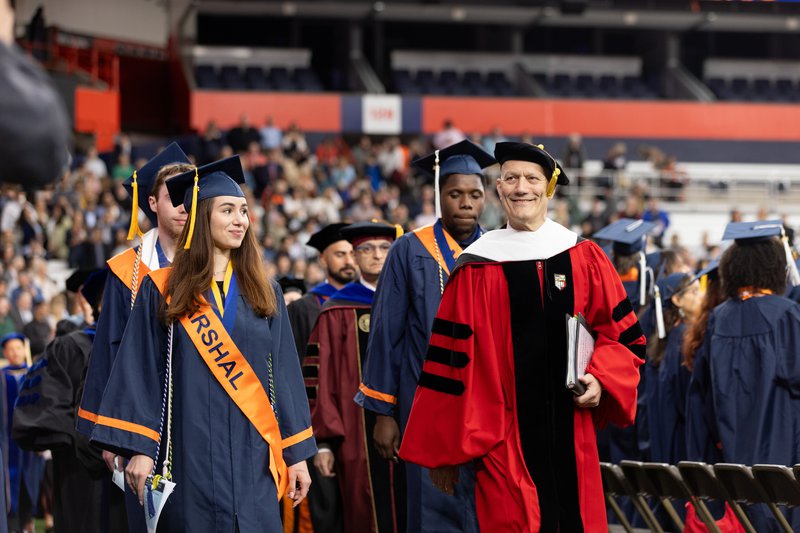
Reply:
x=123, y=264
x=428, y=239
x=235, y=375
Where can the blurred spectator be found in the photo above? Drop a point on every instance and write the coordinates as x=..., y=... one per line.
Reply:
x=124, y=146
x=327, y=152
x=93, y=164
x=23, y=308
x=448, y=136
x=25, y=284
x=210, y=144
x=736, y=215
x=271, y=135
x=574, y=157
x=123, y=168
x=613, y=166
x=673, y=179
x=361, y=152
x=294, y=145
x=39, y=330
x=8, y=324
x=495, y=137
x=240, y=137
x=661, y=218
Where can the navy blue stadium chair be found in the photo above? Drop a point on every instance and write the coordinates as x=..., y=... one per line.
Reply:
x=541, y=78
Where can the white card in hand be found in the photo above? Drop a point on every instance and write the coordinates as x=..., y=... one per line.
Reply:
x=118, y=477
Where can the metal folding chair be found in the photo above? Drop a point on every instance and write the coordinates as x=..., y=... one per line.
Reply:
x=703, y=484
x=739, y=482
x=643, y=488
x=780, y=484
x=671, y=486
x=614, y=486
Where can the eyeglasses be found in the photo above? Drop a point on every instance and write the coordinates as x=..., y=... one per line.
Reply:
x=513, y=179
x=371, y=248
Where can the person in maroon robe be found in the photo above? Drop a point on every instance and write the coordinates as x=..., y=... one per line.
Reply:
x=372, y=487
x=493, y=385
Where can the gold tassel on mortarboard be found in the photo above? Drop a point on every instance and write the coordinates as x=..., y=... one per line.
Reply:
x=193, y=215
x=134, y=230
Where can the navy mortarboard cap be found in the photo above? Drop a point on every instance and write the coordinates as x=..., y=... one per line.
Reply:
x=220, y=178
x=464, y=157
x=92, y=288
x=78, y=278
x=326, y=236
x=627, y=234
x=670, y=285
x=289, y=285
x=144, y=179
x=515, y=151
x=362, y=231
x=665, y=289
x=11, y=337
x=710, y=270
x=750, y=232
x=745, y=233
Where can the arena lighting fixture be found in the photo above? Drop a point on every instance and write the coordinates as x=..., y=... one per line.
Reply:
x=792, y=23
x=378, y=7
x=458, y=13
x=630, y=18
x=289, y=9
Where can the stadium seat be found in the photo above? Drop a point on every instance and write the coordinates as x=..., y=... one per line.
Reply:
x=743, y=488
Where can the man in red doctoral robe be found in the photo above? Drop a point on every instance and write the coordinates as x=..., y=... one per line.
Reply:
x=492, y=389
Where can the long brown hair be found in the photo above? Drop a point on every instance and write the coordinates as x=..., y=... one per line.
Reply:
x=672, y=315
x=696, y=331
x=193, y=271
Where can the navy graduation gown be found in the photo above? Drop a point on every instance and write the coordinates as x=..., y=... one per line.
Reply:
x=742, y=405
x=405, y=304
x=667, y=386
x=220, y=462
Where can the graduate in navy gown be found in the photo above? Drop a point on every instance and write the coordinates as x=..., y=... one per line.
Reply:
x=667, y=375
x=406, y=301
x=207, y=389
x=127, y=270
x=746, y=375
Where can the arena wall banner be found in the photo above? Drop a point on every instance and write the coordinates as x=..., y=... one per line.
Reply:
x=391, y=114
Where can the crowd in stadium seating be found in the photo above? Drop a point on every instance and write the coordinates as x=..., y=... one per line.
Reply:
x=295, y=188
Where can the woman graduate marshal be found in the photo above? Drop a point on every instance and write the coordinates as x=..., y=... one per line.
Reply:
x=209, y=392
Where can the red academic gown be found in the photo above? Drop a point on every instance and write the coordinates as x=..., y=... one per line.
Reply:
x=372, y=488
x=493, y=389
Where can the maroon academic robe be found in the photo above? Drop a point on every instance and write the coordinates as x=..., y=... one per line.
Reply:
x=371, y=487
x=493, y=389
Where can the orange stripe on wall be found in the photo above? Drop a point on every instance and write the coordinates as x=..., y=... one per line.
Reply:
x=311, y=112
x=98, y=112
x=603, y=118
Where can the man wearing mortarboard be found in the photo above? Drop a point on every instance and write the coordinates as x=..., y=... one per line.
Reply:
x=372, y=488
x=337, y=257
x=493, y=386
x=405, y=305
x=156, y=250
x=742, y=402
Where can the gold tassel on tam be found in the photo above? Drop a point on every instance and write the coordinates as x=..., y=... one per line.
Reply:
x=134, y=230
x=193, y=214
